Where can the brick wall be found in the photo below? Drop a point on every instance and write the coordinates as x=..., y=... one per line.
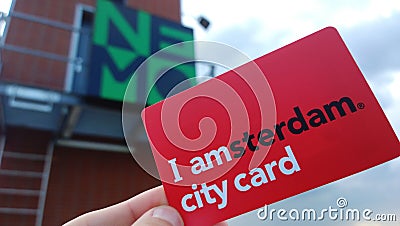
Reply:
x=84, y=180
x=47, y=73
x=80, y=180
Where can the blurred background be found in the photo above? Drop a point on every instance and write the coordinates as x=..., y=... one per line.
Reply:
x=64, y=67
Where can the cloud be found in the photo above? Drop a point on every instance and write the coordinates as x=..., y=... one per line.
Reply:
x=376, y=46
x=367, y=224
x=393, y=111
x=247, y=38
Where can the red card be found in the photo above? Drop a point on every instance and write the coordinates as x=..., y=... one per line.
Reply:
x=222, y=151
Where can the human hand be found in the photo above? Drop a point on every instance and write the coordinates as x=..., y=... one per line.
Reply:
x=148, y=208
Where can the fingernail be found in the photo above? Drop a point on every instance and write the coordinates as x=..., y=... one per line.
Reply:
x=168, y=214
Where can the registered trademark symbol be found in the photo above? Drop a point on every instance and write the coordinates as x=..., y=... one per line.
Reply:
x=361, y=105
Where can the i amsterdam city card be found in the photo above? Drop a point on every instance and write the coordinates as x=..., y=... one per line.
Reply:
x=240, y=141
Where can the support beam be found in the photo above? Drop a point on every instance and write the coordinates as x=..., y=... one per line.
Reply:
x=70, y=122
x=92, y=145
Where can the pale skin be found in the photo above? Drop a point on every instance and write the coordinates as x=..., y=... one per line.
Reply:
x=149, y=208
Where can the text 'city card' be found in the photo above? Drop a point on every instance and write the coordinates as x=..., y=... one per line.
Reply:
x=290, y=121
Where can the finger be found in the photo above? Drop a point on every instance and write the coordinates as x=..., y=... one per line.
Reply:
x=124, y=213
x=223, y=223
x=160, y=216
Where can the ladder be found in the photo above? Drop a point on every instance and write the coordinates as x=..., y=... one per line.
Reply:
x=24, y=177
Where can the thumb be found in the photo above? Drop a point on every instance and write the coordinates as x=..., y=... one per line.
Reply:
x=160, y=216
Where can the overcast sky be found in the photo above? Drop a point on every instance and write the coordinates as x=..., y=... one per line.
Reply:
x=371, y=30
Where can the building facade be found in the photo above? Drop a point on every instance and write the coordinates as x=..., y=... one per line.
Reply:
x=62, y=151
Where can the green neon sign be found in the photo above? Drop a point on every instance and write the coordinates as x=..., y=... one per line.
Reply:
x=122, y=39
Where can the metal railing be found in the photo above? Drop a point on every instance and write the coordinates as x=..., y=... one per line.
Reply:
x=43, y=21
x=41, y=100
